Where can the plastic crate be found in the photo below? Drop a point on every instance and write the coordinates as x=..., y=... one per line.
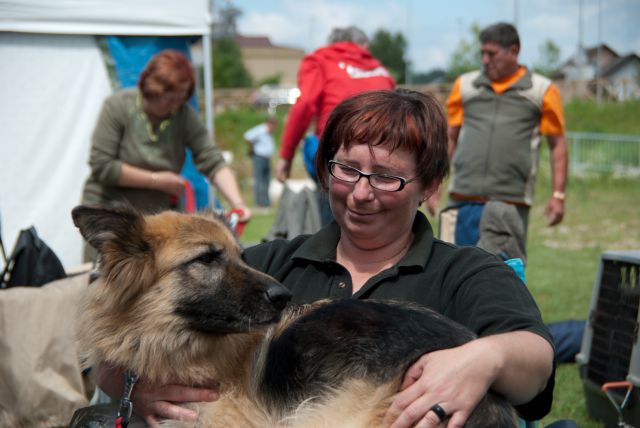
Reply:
x=610, y=350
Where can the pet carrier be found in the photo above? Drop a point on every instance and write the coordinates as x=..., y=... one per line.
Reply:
x=610, y=353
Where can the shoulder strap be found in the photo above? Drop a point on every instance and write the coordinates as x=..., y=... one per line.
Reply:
x=468, y=85
x=539, y=87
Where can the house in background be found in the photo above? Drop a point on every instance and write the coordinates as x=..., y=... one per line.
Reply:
x=266, y=61
x=623, y=77
x=585, y=64
x=618, y=76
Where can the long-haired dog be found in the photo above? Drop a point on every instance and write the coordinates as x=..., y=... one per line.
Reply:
x=174, y=302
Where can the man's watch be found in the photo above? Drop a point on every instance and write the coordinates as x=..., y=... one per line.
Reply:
x=559, y=195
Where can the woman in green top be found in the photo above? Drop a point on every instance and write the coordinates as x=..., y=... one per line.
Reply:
x=138, y=145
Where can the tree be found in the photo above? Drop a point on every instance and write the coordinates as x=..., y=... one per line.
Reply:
x=224, y=20
x=228, y=67
x=466, y=56
x=549, y=58
x=390, y=50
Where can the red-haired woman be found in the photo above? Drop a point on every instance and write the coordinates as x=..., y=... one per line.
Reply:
x=138, y=145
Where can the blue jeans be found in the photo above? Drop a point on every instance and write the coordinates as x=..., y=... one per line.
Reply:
x=261, y=177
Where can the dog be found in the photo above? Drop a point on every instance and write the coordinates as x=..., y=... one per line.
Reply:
x=175, y=302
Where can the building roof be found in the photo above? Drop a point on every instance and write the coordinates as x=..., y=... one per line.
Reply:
x=254, y=41
x=592, y=52
x=619, y=63
x=591, y=55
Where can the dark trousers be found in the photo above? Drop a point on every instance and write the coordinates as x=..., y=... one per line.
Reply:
x=261, y=177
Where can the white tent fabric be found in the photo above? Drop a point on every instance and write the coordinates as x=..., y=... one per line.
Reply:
x=107, y=17
x=52, y=90
x=53, y=82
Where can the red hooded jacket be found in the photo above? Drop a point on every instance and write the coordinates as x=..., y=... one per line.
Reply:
x=325, y=78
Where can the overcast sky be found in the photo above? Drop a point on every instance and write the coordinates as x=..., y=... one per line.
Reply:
x=433, y=28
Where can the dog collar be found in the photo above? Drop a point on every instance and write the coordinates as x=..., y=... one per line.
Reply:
x=126, y=406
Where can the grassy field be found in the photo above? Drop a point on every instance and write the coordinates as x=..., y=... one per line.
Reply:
x=613, y=118
x=602, y=213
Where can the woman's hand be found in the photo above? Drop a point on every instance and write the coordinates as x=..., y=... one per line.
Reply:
x=157, y=402
x=455, y=378
x=244, y=213
x=516, y=365
x=168, y=182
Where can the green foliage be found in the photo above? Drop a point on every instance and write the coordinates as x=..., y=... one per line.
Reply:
x=436, y=75
x=232, y=124
x=228, y=67
x=610, y=117
x=390, y=49
x=549, y=58
x=274, y=79
x=466, y=56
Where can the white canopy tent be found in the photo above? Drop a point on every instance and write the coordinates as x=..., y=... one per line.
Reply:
x=53, y=81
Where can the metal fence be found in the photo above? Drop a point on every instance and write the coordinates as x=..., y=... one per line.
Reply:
x=610, y=153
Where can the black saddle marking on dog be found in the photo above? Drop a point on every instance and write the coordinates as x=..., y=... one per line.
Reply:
x=352, y=339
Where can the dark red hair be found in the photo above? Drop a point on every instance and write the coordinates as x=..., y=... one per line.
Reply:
x=400, y=119
x=164, y=72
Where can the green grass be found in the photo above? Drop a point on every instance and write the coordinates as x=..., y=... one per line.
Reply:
x=602, y=214
x=609, y=117
x=257, y=228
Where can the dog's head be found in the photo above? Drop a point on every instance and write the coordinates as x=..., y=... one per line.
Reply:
x=182, y=271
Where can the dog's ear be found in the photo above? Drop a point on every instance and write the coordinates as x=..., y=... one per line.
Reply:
x=118, y=223
x=116, y=230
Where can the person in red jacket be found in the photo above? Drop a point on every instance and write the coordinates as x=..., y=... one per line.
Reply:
x=327, y=76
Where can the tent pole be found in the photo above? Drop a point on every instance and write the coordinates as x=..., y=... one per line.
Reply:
x=208, y=84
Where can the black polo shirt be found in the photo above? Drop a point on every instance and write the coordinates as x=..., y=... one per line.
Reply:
x=466, y=284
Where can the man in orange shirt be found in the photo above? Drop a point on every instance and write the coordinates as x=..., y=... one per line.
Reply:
x=496, y=118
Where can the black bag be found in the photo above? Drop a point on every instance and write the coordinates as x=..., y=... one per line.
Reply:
x=32, y=262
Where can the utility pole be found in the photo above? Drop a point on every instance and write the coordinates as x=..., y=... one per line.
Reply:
x=599, y=56
x=580, y=54
x=407, y=63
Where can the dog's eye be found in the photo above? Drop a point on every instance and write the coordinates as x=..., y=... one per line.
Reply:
x=208, y=257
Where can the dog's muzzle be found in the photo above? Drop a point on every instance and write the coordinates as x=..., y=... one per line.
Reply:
x=278, y=295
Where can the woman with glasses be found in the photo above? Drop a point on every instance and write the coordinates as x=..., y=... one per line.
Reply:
x=138, y=144
x=381, y=156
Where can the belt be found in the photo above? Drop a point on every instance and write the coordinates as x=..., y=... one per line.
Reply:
x=484, y=199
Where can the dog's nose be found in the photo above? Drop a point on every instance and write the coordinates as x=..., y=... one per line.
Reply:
x=278, y=295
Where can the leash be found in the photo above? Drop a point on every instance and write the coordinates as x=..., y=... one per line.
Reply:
x=233, y=216
x=126, y=406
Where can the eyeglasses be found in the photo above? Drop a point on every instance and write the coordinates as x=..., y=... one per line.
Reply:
x=387, y=183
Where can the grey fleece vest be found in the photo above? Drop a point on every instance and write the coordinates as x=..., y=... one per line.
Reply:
x=497, y=152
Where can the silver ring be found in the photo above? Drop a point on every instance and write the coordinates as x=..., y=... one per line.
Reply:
x=439, y=411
